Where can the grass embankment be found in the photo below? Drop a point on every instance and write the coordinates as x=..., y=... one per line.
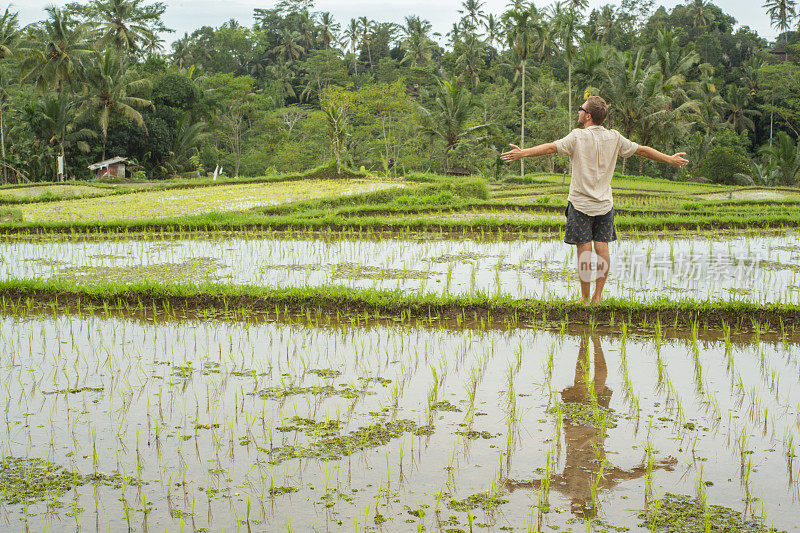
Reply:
x=27, y=193
x=427, y=204
x=349, y=304
x=50, y=192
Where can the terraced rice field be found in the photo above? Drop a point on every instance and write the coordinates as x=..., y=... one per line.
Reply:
x=192, y=201
x=135, y=396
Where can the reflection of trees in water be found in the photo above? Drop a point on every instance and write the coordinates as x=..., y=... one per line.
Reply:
x=585, y=468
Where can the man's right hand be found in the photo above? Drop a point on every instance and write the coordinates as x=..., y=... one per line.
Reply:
x=678, y=161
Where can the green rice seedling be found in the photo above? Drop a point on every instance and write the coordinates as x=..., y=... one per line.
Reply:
x=698, y=366
x=746, y=482
x=594, y=482
x=544, y=484
x=649, y=464
x=128, y=513
x=95, y=458
x=789, y=452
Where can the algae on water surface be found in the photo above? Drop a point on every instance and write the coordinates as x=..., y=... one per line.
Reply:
x=679, y=513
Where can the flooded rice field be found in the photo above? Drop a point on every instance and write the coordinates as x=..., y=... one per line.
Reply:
x=758, y=269
x=118, y=423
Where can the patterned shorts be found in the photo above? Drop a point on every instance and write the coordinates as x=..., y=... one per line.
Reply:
x=582, y=228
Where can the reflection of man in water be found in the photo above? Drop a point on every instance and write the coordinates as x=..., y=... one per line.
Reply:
x=584, y=439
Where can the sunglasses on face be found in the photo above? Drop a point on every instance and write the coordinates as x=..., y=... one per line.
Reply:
x=582, y=109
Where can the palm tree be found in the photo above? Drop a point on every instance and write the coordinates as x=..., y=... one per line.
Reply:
x=5, y=81
x=494, y=29
x=328, y=28
x=518, y=5
x=181, y=53
x=749, y=78
x=153, y=47
x=542, y=40
x=637, y=103
x=417, y=44
x=590, y=65
x=283, y=75
x=470, y=57
x=472, y=10
x=781, y=13
x=566, y=22
x=9, y=33
x=109, y=93
x=449, y=118
x=519, y=38
x=784, y=156
x=607, y=25
x=307, y=29
x=187, y=135
x=9, y=37
x=53, y=118
x=702, y=15
x=674, y=63
x=366, y=27
x=738, y=110
x=708, y=113
x=125, y=24
x=707, y=104
x=56, y=52
x=456, y=30
x=351, y=34
x=289, y=48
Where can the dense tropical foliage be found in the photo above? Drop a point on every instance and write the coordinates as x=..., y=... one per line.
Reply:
x=299, y=88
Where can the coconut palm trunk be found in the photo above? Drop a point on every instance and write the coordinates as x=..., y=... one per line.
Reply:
x=3, y=145
x=569, y=106
x=63, y=163
x=569, y=91
x=522, y=139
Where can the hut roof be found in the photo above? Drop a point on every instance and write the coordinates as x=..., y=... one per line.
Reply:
x=108, y=162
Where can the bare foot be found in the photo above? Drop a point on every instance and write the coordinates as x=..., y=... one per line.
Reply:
x=585, y=301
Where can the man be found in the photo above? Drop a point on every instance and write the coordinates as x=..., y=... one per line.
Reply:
x=593, y=152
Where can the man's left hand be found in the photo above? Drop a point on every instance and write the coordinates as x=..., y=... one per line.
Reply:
x=512, y=155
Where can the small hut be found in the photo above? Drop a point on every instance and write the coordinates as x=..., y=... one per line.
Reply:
x=110, y=168
x=457, y=171
x=780, y=53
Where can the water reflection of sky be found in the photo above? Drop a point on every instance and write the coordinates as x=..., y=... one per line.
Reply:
x=759, y=269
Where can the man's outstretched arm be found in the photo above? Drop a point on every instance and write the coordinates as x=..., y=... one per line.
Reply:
x=676, y=160
x=518, y=153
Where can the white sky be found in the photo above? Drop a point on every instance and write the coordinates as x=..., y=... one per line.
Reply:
x=188, y=15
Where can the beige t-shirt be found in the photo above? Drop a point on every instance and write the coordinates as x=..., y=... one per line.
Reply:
x=593, y=152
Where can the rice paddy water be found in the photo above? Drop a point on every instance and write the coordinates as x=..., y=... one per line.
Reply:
x=140, y=420
x=759, y=269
